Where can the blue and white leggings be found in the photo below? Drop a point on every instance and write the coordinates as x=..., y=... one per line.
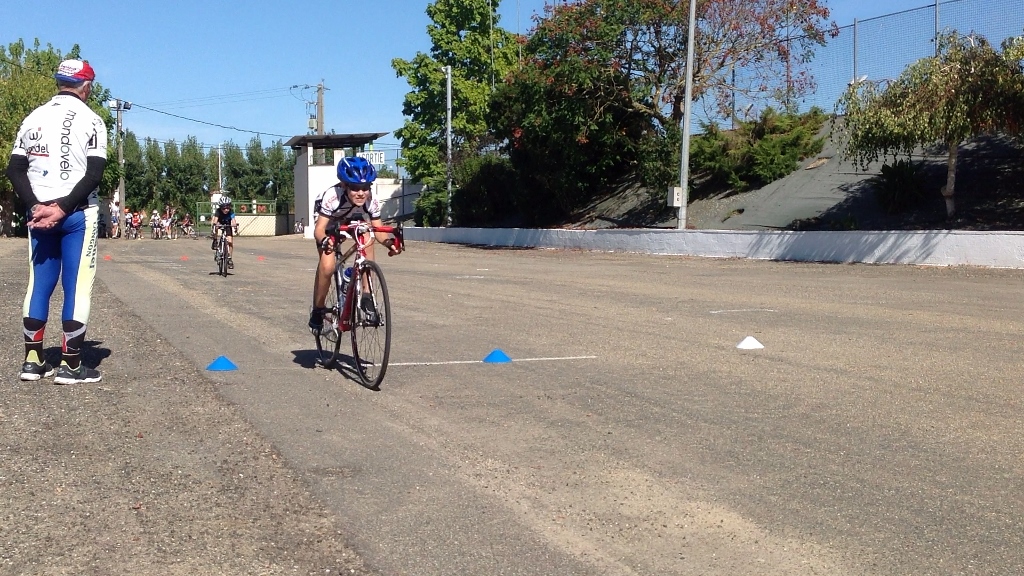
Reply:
x=66, y=253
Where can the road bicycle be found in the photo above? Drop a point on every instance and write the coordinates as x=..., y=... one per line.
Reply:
x=188, y=231
x=220, y=255
x=359, y=305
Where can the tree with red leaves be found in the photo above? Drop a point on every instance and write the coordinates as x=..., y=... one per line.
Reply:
x=598, y=101
x=767, y=43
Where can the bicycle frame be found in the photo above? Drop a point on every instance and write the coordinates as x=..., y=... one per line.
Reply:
x=358, y=231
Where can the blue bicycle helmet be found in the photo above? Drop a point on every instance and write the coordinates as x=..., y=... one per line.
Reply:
x=356, y=170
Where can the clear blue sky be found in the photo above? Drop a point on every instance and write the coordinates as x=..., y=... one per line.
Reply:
x=232, y=63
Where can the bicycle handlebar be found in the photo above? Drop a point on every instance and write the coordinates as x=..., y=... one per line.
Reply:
x=351, y=229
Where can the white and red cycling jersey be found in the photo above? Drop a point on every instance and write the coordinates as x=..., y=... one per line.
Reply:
x=58, y=138
x=335, y=204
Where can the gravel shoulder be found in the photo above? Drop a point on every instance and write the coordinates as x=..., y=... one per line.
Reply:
x=148, y=472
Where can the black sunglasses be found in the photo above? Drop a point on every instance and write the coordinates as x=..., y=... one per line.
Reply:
x=360, y=187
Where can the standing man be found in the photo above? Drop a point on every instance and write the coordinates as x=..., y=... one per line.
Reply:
x=115, y=216
x=56, y=166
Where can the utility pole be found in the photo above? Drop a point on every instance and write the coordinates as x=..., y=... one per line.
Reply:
x=321, y=155
x=219, y=177
x=120, y=106
x=120, y=155
x=448, y=135
x=320, y=107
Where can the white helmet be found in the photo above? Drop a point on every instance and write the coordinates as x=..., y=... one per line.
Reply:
x=224, y=200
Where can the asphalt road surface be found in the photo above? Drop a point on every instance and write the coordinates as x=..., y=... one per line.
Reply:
x=879, y=430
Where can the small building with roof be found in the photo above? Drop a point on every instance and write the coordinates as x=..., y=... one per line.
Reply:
x=313, y=177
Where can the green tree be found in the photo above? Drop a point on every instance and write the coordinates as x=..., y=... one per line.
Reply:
x=235, y=170
x=281, y=168
x=571, y=134
x=969, y=89
x=768, y=43
x=465, y=35
x=599, y=99
x=191, y=175
x=153, y=173
x=134, y=173
x=170, y=192
x=256, y=181
x=213, y=172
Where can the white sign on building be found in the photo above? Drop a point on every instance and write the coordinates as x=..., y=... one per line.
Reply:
x=375, y=157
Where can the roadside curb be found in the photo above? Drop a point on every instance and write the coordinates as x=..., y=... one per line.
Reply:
x=927, y=248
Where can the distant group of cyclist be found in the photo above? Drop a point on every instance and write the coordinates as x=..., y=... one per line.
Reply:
x=132, y=225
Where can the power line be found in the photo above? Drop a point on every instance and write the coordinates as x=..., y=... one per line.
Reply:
x=219, y=97
x=214, y=124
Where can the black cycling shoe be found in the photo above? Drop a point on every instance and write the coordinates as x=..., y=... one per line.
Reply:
x=369, y=311
x=30, y=371
x=316, y=320
x=231, y=264
x=81, y=375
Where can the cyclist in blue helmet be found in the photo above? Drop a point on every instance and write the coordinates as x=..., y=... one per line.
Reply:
x=351, y=199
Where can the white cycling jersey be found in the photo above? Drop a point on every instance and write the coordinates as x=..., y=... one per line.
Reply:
x=334, y=203
x=58, y=138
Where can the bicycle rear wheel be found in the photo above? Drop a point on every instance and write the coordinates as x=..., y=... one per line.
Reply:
x=328, y=338
x=371, y=324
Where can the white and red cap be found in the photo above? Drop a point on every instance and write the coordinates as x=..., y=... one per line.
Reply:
x=75, y=71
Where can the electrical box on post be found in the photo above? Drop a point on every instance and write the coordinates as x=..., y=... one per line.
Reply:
x=675, y=196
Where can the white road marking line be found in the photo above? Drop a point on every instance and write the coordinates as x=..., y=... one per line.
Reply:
x=465, y=277
x=482, y=362
x=742, y=310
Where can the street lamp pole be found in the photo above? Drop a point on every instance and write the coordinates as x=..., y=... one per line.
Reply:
x=448, y=136
x=684, y=168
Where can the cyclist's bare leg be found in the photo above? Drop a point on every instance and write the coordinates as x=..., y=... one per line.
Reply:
x=323, y=278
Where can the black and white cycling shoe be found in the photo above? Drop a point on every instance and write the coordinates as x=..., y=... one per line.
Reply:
x=30, y=371
x=82, y=375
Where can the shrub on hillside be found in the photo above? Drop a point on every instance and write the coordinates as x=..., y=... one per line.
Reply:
x=757, y=152
x=431, y=208
x=899, y=186
x=485, y=194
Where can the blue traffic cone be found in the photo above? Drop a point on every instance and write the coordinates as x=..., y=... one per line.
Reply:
x=222, y=364
x=497, y=357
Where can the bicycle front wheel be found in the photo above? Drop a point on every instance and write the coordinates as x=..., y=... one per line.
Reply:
x=328, y=338
x=222, y=251
x=371, y=324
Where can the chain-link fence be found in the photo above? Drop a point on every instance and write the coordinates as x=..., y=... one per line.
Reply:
x=881, y=48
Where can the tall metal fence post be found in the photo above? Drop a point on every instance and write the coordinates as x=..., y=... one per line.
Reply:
x=854, y=50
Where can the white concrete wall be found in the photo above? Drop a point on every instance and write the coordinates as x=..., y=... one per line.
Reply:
x=932, y=248
x=249, y=225
x=303, y=204
x=317, y=179
x=397, y=199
